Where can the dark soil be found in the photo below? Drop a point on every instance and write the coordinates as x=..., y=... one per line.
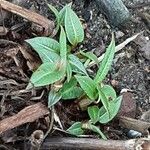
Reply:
x=130, y=70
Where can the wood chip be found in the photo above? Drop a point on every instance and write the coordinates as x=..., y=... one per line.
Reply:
x=35, y=18
x=28, y=114
x=134, y=124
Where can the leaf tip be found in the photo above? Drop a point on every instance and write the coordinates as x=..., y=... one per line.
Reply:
x=29, y=86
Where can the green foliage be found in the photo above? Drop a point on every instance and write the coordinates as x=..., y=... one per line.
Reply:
x=97, y=130
x=90, y=56
x=44, y=43
x=114, y=107
x=73, y=27
x=63, y=45
x=76, y=129
x=53, y=98
x=47, y=48
x=103, y=98
x=106, y=62
x=76, y=65
x=109, y=92
x=70, y=90
x=67, y=69
x=89, y=126
x=55, y=11
x=47, y=73
x=62, y=15
x=88, y=85
x=94, y=114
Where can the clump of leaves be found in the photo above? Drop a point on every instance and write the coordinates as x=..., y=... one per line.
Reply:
x=61, y=66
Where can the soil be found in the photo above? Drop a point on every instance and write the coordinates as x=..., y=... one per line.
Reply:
x=130, y=70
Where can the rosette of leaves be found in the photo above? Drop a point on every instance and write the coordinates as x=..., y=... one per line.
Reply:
x=57, y=61
x=60, y=65
x=100, y=93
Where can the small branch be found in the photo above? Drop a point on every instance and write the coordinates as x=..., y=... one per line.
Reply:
x=134, y=124
x=28, y=114
x=47, y=25
x=115, y=11
x=94, y=144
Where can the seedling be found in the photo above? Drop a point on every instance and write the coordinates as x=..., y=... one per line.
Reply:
x=65, y=70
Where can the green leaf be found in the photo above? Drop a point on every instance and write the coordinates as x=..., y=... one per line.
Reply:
x=46, y=74
x=106, y=62
x=93, y=113
x=73, y=27
x=44, y=43
x=88, y=125
x=62, y=14
x=76, y=129
x=54, y=10
x=97, y=130
x=47, y=48
x=74, y=92
x=48, y=56
x=69, y=71
x=77, y=65
x=103, y=98
x=56, y=13
x=53, y=98
x=88, y=85
x=63, y=46
x=114, y=107
x=109, y=92
x=70, y=90
x=91, y=56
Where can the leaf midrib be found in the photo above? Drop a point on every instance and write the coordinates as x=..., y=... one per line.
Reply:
x=75, y=34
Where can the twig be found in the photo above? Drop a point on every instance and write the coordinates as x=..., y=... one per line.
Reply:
x=28, y=114
x=51, y=117
x=47, y=25
x=95, y=144
x=118, y=48
x=51, y=123
x=134, y=124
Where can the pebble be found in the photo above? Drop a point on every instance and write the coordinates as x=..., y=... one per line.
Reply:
x=119, y=34
x=134, y=134
x=128, y=106
x=146, y=50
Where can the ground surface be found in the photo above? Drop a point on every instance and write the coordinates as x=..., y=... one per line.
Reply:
x=130, y=70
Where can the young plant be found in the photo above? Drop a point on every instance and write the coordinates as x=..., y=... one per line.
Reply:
x=67, y=75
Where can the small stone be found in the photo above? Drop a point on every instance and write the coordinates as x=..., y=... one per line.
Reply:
x=144, y=44
x=128, y=106
x=119, y=34
x=114, y=83
x=146, y=50
x=134, y=134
